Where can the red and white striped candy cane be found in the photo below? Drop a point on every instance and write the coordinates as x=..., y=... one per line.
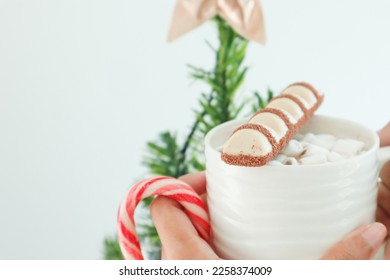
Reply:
x=166, y=186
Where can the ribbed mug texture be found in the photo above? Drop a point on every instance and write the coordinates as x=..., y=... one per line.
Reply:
x=290, y=212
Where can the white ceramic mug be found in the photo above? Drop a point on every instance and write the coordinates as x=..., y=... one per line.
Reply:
x=291, y=212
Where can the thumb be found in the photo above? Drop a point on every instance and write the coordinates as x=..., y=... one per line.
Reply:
x=179, y=238
x=384, y=135
x=361, y=244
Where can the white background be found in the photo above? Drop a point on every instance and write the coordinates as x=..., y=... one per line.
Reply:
x=84, y=84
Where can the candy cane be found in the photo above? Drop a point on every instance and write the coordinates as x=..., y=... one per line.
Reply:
x=166, y=186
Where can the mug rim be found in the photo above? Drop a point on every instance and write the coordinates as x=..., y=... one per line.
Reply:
x=209, y=148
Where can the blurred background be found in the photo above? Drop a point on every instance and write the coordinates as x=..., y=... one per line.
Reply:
x=85, y=84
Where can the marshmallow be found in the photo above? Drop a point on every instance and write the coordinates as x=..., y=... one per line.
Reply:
x=293, y=148
x=274, y=163
x=348, y=147
x=291, y=161
x=308, y=138
x=334, y=157
x=314, y=159
x=320, y=150
x=281, y=158
x=326, y=144
x=298, y=136
x=314, y=150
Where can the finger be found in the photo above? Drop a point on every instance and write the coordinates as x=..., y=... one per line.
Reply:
x=385, y=174
x=178, y=236
x=163, y=255
x=204, y=199
x=361, y=244
x=383, y=217
x=196, y=180
x=383, y=210
x=387, y=250
x=384, y=135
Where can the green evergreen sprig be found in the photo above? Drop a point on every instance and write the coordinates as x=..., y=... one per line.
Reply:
x=225, y=79
x=261, y=102
x=165, y=156
x=111, y=249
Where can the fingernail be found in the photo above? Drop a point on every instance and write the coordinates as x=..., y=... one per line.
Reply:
x=374, y=234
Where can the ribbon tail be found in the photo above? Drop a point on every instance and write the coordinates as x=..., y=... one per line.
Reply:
x=256, y=28
x=185, y=18
x=246, y=19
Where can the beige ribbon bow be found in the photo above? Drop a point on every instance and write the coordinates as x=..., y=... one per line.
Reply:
x=244, y=16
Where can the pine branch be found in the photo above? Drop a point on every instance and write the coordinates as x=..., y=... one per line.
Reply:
x=183, y=153
x=261, y=102
x=111, y=249
x=225, y=79
x=164, y=156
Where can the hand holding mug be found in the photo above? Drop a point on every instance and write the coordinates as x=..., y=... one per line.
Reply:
x=181, y=241
x=361, y=243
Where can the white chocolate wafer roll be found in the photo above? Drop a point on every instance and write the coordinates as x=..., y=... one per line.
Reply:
x=268, y=131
